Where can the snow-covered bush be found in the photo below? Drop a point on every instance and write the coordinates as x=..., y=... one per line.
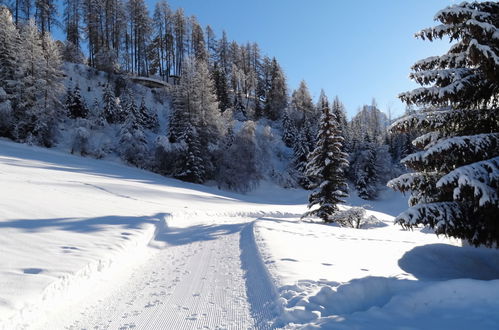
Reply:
x=355, y=217
x=351, y=217
x=80, y=141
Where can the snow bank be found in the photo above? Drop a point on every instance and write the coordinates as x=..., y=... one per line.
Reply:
x=378, y=278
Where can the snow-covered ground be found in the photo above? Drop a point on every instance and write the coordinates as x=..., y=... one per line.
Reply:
x=94, y=244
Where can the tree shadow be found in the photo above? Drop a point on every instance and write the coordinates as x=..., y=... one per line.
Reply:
x=440, y=262
x=182, y=236
x=84, y=225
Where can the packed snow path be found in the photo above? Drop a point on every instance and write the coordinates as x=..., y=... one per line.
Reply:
x=201, y=280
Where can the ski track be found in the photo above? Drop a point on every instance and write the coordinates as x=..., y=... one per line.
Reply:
x=208, y=277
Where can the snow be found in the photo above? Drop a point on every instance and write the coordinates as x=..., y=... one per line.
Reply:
x=378, y=278
x=95, y=244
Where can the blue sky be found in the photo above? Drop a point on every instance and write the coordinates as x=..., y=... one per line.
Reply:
x=354, y=49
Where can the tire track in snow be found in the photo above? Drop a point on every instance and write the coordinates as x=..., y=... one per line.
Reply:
x=209, y=277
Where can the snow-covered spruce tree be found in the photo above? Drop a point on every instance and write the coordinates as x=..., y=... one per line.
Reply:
x=128, y=106
x=192, y=167
x=371, y=168
x=339, y=111
x=112, y=109
x=96, y=116
x=74, y=104
x=301, y=151
x=221, y=88
x=455, y=184
x=149, y=119
x=178, y=120
x=326, y=166
x=289, y=131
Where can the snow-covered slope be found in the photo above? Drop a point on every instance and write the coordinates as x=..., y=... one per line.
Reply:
x=90, y=243
x=64, y=219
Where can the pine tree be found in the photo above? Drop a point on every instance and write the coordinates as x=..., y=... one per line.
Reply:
x=326, y=165
x=454, y=187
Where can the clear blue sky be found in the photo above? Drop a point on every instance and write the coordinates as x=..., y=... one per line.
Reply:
x=354, y=49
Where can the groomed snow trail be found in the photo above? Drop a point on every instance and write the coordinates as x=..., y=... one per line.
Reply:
x=207, y=277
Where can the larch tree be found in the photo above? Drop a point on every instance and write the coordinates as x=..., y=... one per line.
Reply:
x=277, y=96
x=326, y=166
x=455, y=183
x=73, y=28
x=10, y=71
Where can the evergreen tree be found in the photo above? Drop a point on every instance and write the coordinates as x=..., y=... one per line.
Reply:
x=75, y=105
x=301, y=151
x=221, y=89
x=192, y=169
x=112, y=111
x=96, y=115
x=455, y=183
x=339, y=111
x=289, y=131
x=326, y=165
x=178, y=120
x=128, y=106
x=148, y=119
x=371, y=169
